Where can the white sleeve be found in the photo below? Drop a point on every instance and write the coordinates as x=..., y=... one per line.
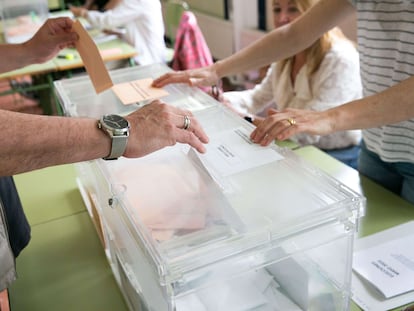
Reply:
x=123, y=13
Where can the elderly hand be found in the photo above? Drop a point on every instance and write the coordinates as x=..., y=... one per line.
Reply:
x=205, y=76
x=285, y=124
x=54, y=35
x=158, y=125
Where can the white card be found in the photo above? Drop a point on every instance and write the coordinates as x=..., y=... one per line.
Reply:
x=230, y=152
x=389, y=266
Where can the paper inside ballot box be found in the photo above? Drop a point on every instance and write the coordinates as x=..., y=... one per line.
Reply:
x=184, y=201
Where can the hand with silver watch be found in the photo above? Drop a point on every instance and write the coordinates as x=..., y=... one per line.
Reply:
x=117, y=128
x=150, y=128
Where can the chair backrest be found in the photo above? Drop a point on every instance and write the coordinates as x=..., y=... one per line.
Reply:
x=173, y=9
x=190, y=50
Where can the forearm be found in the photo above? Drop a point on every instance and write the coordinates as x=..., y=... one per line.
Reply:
x=14, y=56
x=390, y=106
x=287, y=40
x=263, y=52
x=31, y=142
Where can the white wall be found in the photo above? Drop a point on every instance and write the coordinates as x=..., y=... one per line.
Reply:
x=218, y=34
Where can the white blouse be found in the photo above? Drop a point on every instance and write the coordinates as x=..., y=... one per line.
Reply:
x=337, y=81
x=144, y=27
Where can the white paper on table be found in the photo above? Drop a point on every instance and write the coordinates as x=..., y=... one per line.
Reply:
x=363, y=293
x=231, y=151
x=388, y=266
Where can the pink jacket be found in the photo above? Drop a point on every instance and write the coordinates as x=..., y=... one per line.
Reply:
x=190, y=50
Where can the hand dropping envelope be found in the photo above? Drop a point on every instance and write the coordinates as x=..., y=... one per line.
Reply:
x=129, y=92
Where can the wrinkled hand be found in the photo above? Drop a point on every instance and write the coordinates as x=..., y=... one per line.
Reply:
x=205, y=76
x=285, y=124
x=158, y=125
x=54, y=35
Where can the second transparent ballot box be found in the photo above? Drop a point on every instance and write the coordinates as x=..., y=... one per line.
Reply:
x=242, y=227
x=22, y=18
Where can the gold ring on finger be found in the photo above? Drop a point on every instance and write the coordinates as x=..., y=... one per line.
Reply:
x=291, y=121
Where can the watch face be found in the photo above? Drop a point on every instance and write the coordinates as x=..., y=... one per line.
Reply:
x=115, y=121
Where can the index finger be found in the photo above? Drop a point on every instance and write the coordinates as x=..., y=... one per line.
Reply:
x=194, y=125
x=188, y=137
x=198, y=130
x=171, y=77
x=263, y=129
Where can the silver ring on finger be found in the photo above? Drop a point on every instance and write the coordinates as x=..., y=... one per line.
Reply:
x=187, y=122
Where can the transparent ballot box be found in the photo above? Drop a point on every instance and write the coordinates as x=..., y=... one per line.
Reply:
x=240, y=228
x=22, y=18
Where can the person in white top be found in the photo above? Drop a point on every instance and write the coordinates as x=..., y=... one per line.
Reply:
x=323, y=76
x=143, y=23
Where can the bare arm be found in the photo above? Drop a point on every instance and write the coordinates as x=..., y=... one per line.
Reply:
x=287, y=40
x=32, y=141
x=54, y=35
x=276, y=45
x=390, y=106
x=393, y=105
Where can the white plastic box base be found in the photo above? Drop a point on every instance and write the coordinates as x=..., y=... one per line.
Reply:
x=296, y=272
x=296, y=281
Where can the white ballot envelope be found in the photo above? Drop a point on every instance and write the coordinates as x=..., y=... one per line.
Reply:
x=383, y=269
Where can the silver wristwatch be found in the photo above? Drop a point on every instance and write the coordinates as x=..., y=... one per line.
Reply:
x=117, y=128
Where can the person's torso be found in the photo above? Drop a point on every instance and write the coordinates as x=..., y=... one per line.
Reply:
x=386, y=46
